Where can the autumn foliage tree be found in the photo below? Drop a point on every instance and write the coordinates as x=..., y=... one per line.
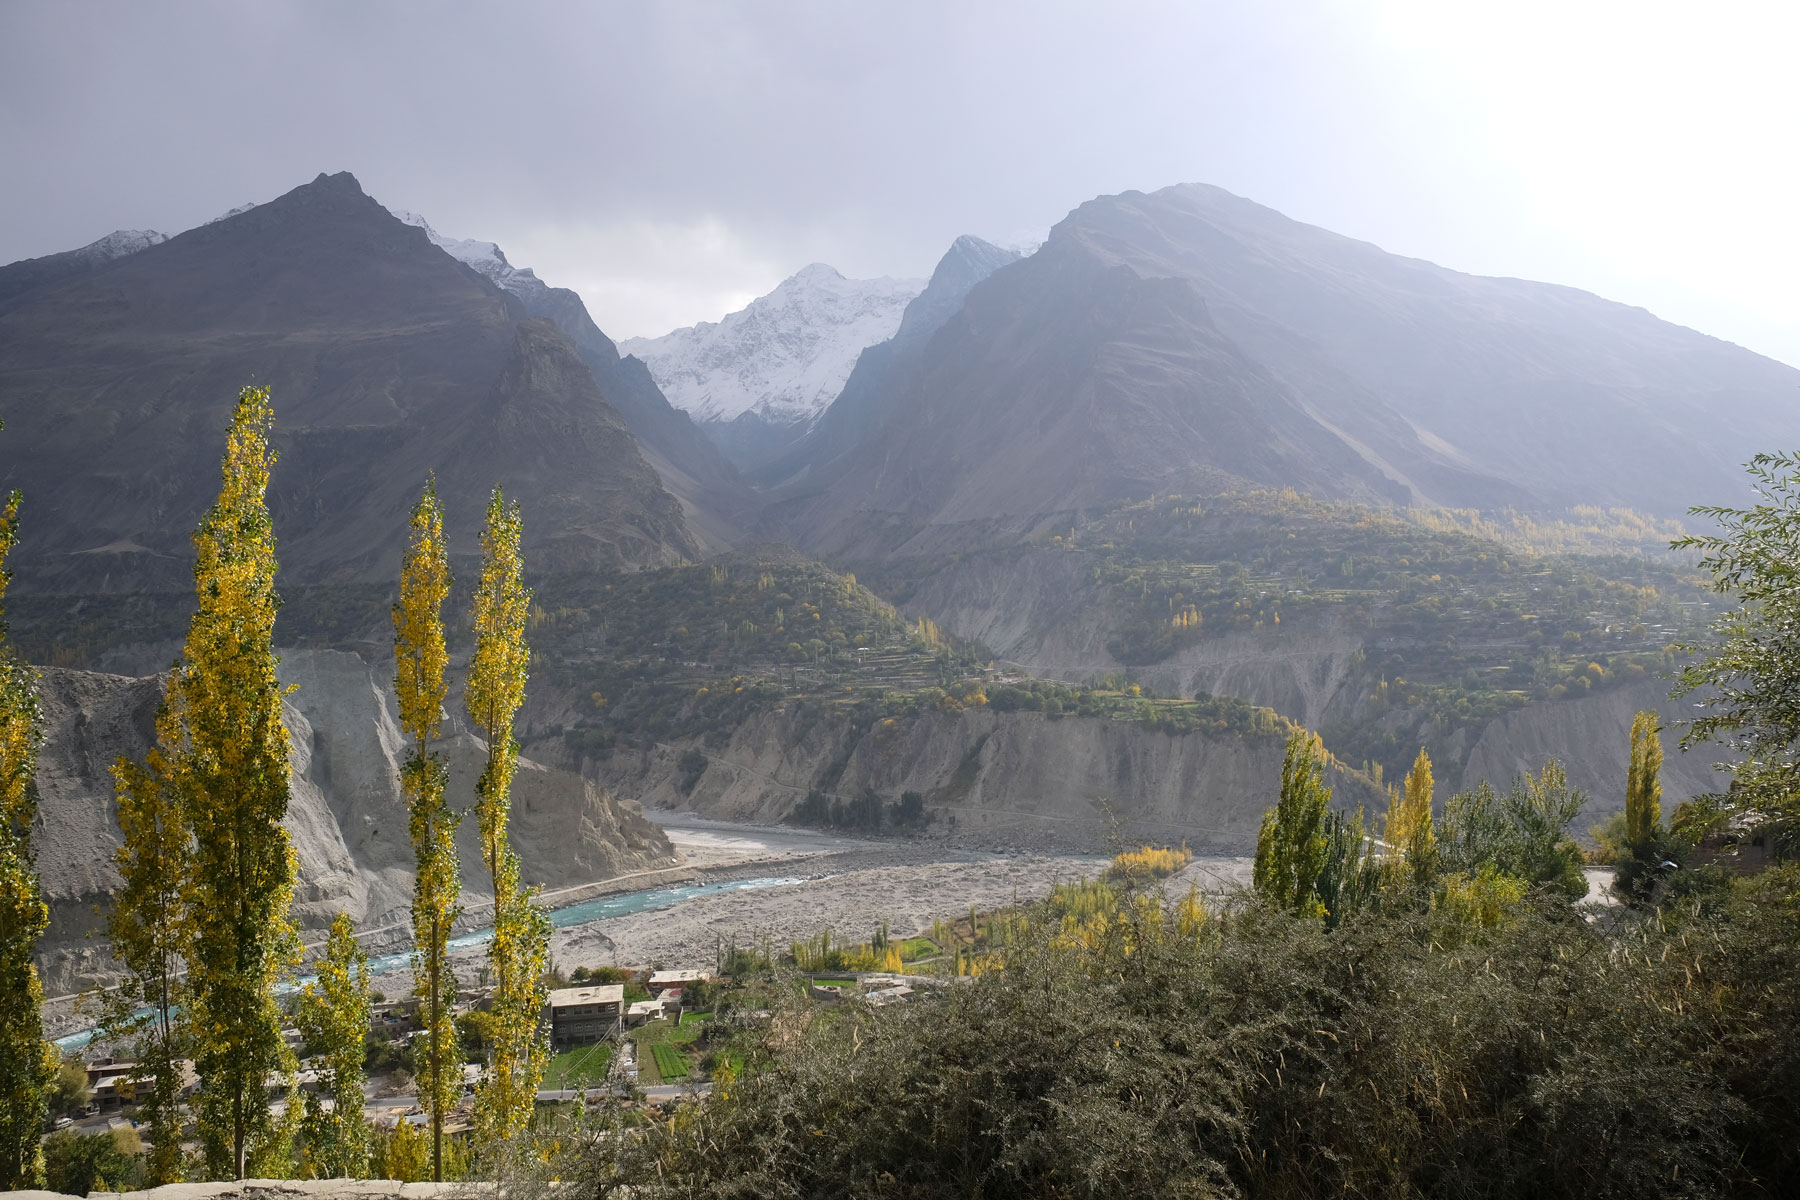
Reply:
x=1412, y=843
x=26, y=1066
x=1643, y=783
x=225, y=750
x=150, y=933
x=420, y=659
x=519, y=951
x=334, y=1017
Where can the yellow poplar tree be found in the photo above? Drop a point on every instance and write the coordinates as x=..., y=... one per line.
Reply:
x=225, y=732
x=520, y=949
x=334, y=1015
x=1643, y=782
x=149, y=929
x=1412, y=842
x=27, y=1066
x=420, y=660
x=1292, y=843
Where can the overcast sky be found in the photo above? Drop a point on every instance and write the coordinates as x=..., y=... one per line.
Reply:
x=670, y=161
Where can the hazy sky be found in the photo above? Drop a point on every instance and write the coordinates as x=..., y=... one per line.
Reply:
x=671, y=160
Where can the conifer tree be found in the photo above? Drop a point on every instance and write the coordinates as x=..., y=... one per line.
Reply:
x=420, y=659
x=149, y=930
x=225, y=734
x=27, y=1064
x=1643, y=782
x=520, y=949
x=1291, y=846
x=334, y=1016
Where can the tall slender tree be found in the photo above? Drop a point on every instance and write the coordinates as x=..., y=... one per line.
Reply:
x=519, y=951
x=334, y=1016
x=226, y=734
x=149, y=929
x=1643, y=782
x=1292, y=845
x=27, y=1067
x=420, y=659
x=1412, y=842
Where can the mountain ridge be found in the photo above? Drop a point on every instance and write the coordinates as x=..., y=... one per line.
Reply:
x=386, y=359
x=718, y=504
x=1238, y=348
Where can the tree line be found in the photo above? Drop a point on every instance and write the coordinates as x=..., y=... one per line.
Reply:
x=201, y=924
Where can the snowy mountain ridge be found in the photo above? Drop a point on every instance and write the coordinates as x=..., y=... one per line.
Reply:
x=784, y=356
x=486, y=258
x=119, y=243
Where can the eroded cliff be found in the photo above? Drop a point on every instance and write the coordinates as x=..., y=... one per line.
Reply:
x=346, y=814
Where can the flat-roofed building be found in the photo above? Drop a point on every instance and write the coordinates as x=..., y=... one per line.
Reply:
x=581, y=1016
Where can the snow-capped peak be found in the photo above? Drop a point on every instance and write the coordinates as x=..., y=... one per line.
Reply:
x=784, y=356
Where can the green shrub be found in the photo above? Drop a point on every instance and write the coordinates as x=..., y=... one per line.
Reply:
x=1402, y=1054
x=79, y=1163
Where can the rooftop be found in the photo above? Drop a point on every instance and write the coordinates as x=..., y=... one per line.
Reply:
x=694, y=976
x=610, y=993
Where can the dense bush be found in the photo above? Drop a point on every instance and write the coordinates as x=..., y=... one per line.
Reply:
x=1413, y=1053
x=79, y=1163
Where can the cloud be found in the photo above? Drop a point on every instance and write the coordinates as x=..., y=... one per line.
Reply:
x=665, y=159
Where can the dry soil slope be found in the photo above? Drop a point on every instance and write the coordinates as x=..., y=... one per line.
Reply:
x=1019, y=777
x=387, y=359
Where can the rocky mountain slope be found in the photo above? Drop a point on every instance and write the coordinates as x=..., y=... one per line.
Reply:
x=1016, y=776
x=346, y=814
x=763, y=374
x=1189, y=341
x=718, y=504
x=387, y=360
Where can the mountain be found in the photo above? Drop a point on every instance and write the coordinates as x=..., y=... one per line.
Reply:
x=762, y=375
x=718, y=503
x=387, y=360
x=859, y=411
x=1188, y=340
x=28, y=275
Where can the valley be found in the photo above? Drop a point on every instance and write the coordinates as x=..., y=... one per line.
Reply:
x=875, y=607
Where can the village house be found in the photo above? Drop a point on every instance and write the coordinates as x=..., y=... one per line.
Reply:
x=642, y=1012
x=115, y=1083
x=581, y=1016
x=662, y=981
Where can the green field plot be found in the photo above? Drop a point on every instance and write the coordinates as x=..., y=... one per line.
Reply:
x=919, y=947
x=671, y=1063
x=583, y=1066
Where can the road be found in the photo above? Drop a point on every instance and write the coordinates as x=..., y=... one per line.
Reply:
x=659, y=1092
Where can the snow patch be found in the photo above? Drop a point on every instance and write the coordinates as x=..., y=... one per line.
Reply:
x=485, y=257
x=121, y=242
x=785, y=355
x=238, y=211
